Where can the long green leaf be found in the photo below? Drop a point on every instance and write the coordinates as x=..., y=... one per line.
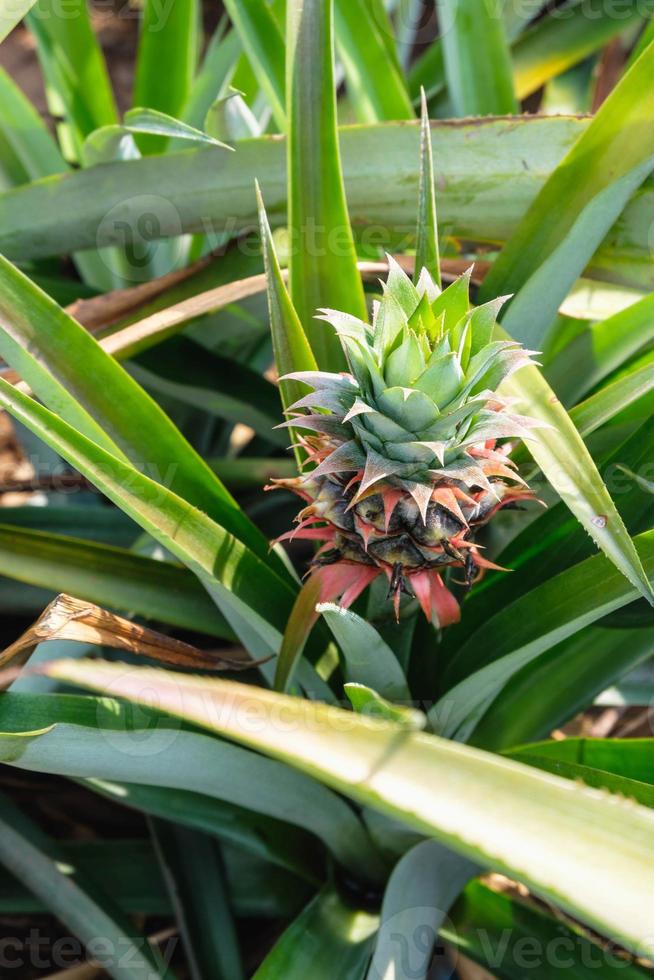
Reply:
x=621, y=766
x=563, y=457
x=322, y=265
x=194, y=873
x=427, y=253
x=155, y=123
x=128, y=872
x=263, y=42
x=568, y=36
x=613, y=398
x=476, y=57
x=37, y=861
x=242, y=395
x=368, y=660
x=560, y=39
x=496, y=929
x=298, y=627
x=98, y=738
x=220, y=59
x=132, y=879
x=290, y=345
x=210, y=186
x=555, y=541
x=576, y=207
x=262, y=836
x=226, y=567
x=74, y=67
x=68, y=369
x=595, y=861
x=601, y=349
x=520, y=632
x=167, y=59
x=560, y=683
x=110, y=576
x=30, y=151
x=374, y=81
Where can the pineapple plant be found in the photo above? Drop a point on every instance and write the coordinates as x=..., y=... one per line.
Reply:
x=409, y=449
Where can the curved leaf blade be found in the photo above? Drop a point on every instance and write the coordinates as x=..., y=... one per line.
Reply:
x=83, y=384
x=596, y=860
x=423, y=886
x=563, y=457
x=322, y=269
x=96, y=738
x=576, y=207
x=476, y=58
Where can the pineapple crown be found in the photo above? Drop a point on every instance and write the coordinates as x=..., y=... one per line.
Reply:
x=420, y=399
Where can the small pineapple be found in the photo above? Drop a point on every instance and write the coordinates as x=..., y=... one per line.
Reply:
x=405, y=449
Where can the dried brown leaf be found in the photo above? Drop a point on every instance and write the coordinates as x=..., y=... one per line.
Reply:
x=67, y=618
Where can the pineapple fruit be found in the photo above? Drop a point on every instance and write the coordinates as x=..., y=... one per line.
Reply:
x=408, y=450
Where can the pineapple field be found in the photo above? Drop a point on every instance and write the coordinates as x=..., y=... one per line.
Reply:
x=327, y=489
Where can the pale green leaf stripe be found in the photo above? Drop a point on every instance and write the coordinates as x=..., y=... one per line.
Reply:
x=520, y=632
x=563, y=457
x=264, y=45
x=576, y=207
x=37, y=861
x=220, y=560
x=419, y=894
x=596, y=860
x=94, y=738
x=328, y=940
x=11, y=12
x=476, y=57
x=70, y=372
x=374, y=82
x=322, y=262
x=110, y=576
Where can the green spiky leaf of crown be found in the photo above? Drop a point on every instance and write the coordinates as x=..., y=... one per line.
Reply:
x=405, y=447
